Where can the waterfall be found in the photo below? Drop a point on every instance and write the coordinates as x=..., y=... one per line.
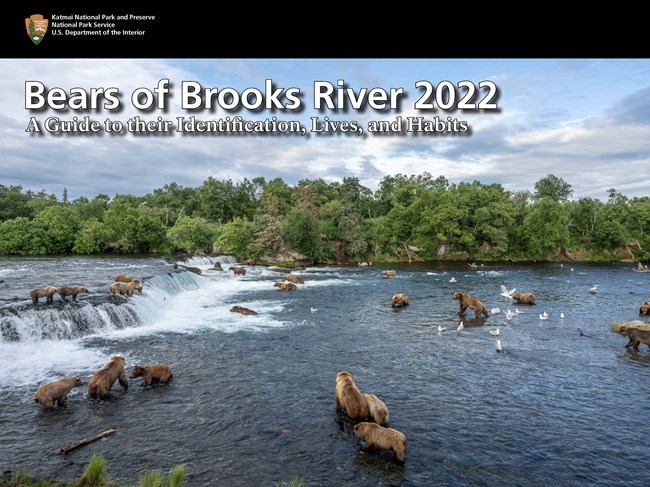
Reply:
x=205, y=260
x=94, y=313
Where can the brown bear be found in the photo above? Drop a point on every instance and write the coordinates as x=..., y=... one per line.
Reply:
x=250, y=262
x=46, y=292
x=285, y=286
x=644, y=309
x=242, y=310
x=239, y=271
x=467, y=301
x=56, y=391
x=294, y=278
x=71, y=291
x=399, y=300
x=382, y=438
x=524, y=298
x=125, y=278
x=388, y=273
x=125, y=288
x=101, y=382
x=152, y=373
x=378, y=410
x=217, y=266
x=637, y=337
x=349, y=397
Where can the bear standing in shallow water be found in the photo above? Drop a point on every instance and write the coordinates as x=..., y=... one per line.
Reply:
x=349, y=397
x=467, y=301
x=101, y=382
x=152, y=373
x=382, y=438
x=56, y=391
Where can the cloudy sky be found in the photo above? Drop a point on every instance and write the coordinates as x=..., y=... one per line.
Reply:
x=584, y=120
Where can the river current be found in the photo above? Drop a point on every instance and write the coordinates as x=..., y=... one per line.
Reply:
x=252, y=399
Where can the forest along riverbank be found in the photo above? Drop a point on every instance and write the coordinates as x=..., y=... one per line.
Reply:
x=252, y=400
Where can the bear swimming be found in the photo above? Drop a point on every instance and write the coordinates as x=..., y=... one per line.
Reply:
x=524, y=298
x=644, y=309
x=399, y=300
x=285, y=286
x=467, y=301
x=242, y=310
x=294, y=278
x=101, y=382
x=56, y=391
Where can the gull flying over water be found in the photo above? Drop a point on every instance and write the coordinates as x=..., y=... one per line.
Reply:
x=505, y=293
x=313, y=310
x=494, y=332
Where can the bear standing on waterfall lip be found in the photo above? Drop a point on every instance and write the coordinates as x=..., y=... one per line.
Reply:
x=71, y=291
x=467, y=301
x=56, y=391
x=382, y=438
x=125, y=288
x=101, y=382
x=125, y=278
x=46, y=292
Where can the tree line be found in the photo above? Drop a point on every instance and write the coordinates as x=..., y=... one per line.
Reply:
x=409, y=217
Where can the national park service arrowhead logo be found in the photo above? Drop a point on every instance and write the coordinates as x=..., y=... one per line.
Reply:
x=36, y=27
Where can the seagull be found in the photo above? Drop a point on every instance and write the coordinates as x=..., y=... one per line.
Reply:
x=313, y=310
x=517, y=311
x=561, y=265
x=460, y=326
x=505, y=293
x=499, y=346
x=543, y=316
x=561, y=315
x=495, y=311
x=593, y=289
x=441, y=328
x=509, y=314
x=494, y=332
x=453, y=279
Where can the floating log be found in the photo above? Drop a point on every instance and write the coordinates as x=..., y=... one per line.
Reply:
x=84, y=441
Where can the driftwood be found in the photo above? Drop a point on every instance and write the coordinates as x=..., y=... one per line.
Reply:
x=84, y=441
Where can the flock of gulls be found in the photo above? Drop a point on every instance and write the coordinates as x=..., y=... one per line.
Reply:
x=510, y=314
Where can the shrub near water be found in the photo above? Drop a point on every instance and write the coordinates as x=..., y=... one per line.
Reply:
x=95, y=476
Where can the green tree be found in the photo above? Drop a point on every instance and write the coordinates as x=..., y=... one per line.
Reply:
x=192, y=235
x=236, y=237
x=546, y=226
x=61, y=224
x=22, y=236
x=92, y=238
x=301, y=230
x=552, y=187
x=13, y=203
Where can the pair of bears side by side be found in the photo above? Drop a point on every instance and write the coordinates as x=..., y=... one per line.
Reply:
x=122, y=284
x=367, y=408
x=101, y=382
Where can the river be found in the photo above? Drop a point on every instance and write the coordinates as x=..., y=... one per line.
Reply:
x=252, y=399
